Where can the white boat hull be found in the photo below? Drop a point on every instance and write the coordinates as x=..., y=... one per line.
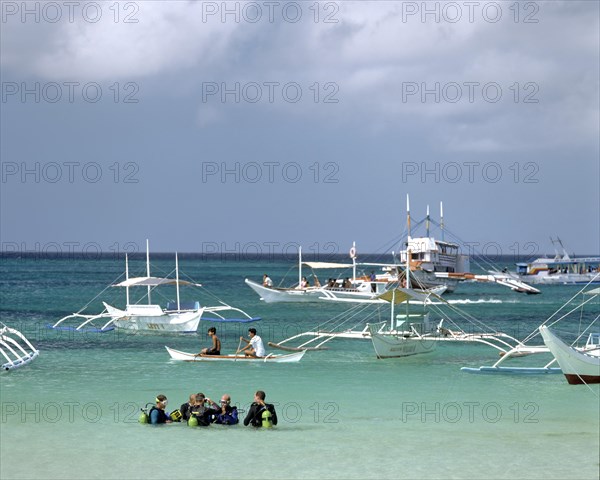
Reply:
x=153, y=321
x=313, y=294
x=561, y=279
x=191, y=357
x=392, y=344
x=577, y=366
x=428, y=280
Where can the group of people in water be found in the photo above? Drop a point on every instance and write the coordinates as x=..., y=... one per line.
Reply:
x=201, y=411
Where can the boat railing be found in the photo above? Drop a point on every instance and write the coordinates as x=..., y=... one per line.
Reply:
x=183, y=306
x=15, y=348
x=593, y=341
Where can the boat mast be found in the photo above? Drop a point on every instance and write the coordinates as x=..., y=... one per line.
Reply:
x=427, y=223
x=392, y=309
x=148, y=268
x=442, y=219
x=408, y=216
x=177, y=280
x=126, y=278
x=354, y=263
x=407, y=277
x=299, y=265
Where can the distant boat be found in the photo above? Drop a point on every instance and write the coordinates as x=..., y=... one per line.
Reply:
x=410, y=333
x=350, y=289
x=407, y=334
x=178, y=316
x=191, y=357
x=434, y=262
x=15, y=348
x=578, y=366
x=561, y=269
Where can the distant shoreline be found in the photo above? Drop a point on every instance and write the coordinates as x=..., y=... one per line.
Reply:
x=246, y=256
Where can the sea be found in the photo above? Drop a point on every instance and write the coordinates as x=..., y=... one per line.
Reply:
x=73, y=412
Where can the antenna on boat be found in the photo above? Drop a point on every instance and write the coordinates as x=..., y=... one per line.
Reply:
x=408, y=214
x=299, y=265
x=441, y=219
x=148, y=268
x=427, y=224
x=126, y=278
x=177, y=280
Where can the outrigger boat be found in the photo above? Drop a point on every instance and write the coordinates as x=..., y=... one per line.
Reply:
x=562, y=269
x=15, y=348
x=524, y=349
x=360, y=289
x=406, y=334
x=177, y=317
x=398, y=340
x=270, y=358
x=578, y=366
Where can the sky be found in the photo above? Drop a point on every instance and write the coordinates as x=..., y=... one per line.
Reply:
x=256, y=126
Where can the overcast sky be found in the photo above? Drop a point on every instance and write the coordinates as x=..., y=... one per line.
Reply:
x=211, y=125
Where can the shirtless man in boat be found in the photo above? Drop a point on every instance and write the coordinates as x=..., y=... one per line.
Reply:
x=255, y=347
x=215, y=348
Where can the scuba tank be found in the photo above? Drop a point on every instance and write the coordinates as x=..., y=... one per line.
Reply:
x=267, y=421
x=144, y=417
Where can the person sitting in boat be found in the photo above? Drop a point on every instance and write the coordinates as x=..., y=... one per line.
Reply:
x=347, y=283
x=255, y=347
x=228, y=414
x=215, y=348
x=204, y=410
x=261, y=414
x=186, y=408
x=267, y=282
x=331, y=283
x=304, y=283
x=157, y=413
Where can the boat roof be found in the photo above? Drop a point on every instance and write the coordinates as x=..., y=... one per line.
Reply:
x=327, y=265
x=345, y=265
x=570, y=261
x=152, y=282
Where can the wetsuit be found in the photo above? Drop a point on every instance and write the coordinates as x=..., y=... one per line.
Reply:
x=254, y=416
x=230, y=417
x=157, y=416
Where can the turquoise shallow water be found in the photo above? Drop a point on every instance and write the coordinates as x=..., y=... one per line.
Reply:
x=73, y=412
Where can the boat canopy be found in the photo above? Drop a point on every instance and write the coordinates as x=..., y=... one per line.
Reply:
x=397, y=296
x=152, y=282
x=327, y=265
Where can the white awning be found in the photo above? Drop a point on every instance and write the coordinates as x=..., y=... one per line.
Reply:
x=327, y=265
x=396, y=296
x=152, y=282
